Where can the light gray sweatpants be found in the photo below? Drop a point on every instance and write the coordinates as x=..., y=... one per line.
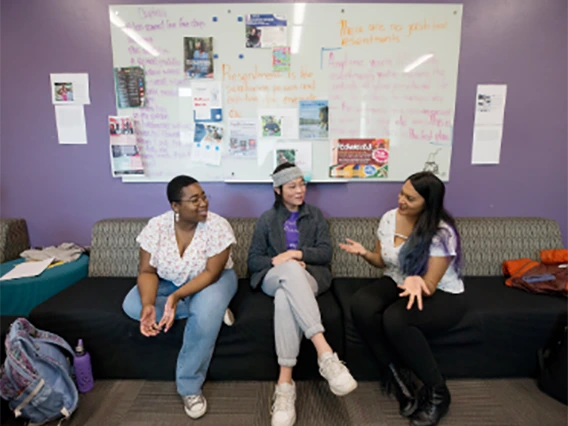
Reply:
x=295, y=308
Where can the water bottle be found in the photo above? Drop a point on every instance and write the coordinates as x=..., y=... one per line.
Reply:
x=83, y=370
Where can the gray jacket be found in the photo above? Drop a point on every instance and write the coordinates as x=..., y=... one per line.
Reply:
x=269, y=240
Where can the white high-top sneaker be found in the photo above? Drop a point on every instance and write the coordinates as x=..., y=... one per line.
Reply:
x=340, y=380
x=195, y=405
x=284, y=405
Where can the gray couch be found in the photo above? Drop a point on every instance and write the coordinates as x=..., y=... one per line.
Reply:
x=498, y=336
x=14, y=238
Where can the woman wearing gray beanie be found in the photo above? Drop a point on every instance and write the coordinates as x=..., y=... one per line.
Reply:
x=289, y=257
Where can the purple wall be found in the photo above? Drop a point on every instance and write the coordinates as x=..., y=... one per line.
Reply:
x=63, y=190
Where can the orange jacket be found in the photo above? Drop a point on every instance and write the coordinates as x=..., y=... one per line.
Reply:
x=551, y=259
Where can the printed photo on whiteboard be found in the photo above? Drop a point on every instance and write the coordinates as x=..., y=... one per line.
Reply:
x=242, y=148
x=198, y=57
x=125, y=157
x=242, y=138
x=281, y=59
x=126, y=161
x=208, y=133
x=359, y=158
x=314, y=120
x=278, y=123
x=130, y=87
x=63, y=92
x=298, y=153
x=271, y=126
x=121, y=126
x=285, y=156
x=70, y=89
x=207, y=101
x=266, y=30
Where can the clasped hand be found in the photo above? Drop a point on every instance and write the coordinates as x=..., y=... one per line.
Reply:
x=287, y=256
x=148, y=325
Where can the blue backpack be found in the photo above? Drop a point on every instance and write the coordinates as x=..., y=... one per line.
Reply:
x=36, y=377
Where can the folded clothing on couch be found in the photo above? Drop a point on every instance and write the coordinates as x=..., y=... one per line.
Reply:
x=66, y=252
x=536, y=277
x=554, y=257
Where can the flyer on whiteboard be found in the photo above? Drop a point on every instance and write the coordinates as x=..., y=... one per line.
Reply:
x=242, y=138
x=125, y=156
x=314, y=121
x=130, y=87
x=266, y=30
x=281, y=59
x=359, y=158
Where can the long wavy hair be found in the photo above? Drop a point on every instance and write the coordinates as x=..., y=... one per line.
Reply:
x=414, y=254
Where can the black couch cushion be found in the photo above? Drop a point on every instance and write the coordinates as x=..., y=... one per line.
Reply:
x=498, y=336
x=92, y=310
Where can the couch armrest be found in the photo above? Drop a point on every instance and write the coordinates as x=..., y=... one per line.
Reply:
x=14, y=238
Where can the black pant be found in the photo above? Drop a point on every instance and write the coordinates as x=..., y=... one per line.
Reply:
x=397, y=335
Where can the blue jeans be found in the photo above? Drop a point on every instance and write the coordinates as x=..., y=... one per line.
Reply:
x=204, y=312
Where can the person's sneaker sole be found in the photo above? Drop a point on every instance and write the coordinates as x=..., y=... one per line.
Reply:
x=344, y=392
x=229, y=317
x=291, y=422
x=197, y=415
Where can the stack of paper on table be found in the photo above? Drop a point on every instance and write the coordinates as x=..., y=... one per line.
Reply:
x=27, y=269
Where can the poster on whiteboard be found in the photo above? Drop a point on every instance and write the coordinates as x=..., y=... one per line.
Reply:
x=360, y=158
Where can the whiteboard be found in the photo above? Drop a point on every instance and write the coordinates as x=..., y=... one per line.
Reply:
x=387, y=70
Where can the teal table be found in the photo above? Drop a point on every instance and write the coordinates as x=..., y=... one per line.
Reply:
x=18, y=297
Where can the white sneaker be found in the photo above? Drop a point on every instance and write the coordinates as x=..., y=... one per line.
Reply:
x=195, y=405
x=229, y=317
x=284, y=405
x=340, y=380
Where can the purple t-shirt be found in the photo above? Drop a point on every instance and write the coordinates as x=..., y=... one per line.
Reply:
x=291, y=231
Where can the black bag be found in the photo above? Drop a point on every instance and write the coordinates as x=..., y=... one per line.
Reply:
x=553, y=377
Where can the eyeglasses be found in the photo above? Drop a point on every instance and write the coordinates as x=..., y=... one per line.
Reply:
x=196, y=200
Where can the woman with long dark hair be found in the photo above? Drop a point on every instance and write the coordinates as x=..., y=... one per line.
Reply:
x=420, y=295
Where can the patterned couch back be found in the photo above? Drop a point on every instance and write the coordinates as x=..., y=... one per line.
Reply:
x=486, y=243
x=14, y=238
